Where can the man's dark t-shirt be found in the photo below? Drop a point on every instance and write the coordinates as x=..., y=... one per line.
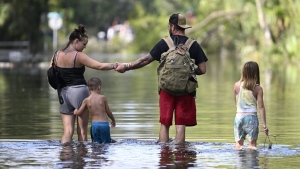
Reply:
x=195, y=51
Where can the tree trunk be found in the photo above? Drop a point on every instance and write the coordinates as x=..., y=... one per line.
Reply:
x=262, y=23
x=215, y=15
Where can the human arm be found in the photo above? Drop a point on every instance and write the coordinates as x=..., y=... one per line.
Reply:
x=141, y=62
x=85, y=60
x=197, y=53
x=235, y=90
x=82, y=108
x=261, y=108
x=201, y=69
x=109, y=113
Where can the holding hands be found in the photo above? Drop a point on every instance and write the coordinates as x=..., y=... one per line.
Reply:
x=141, y=62
x=121, y=67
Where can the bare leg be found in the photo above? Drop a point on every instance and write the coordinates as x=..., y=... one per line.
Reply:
x=82, y=124
x=68, y=124
x=180, y=134
x=239, y=144
x=164, y=133
x=252, y=143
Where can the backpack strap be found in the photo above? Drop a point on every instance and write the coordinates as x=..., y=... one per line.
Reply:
x=54, y=58
x=189, y=42
x=169, y=41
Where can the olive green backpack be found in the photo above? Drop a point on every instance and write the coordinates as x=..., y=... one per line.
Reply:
x=176, y=71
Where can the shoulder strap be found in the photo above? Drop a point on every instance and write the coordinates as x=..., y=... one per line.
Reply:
x=75, y=58
x=189, y=42
x=54, y=59
x=56, y=55
x=169, y=41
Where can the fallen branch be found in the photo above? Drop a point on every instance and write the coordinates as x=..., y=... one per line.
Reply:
x=212, y=16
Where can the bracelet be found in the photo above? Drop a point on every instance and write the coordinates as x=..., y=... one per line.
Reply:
x=114, y=65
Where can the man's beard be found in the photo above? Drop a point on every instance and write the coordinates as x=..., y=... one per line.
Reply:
x=170, y=32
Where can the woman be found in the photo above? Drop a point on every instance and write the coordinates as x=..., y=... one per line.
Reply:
x=71, y=62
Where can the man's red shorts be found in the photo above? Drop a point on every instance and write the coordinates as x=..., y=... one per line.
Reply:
x=184, y=106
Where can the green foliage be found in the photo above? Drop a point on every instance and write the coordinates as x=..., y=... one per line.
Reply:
x=5, y=8
x=21, y=21
x=215, y=23
x=242, y=33
x=151, y=24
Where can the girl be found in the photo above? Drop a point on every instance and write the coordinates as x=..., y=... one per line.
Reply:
x=248, y=96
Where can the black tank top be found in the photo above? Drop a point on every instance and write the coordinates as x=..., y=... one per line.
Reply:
x=72, y=76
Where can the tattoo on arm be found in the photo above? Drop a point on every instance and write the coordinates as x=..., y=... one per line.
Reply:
x=141, y=62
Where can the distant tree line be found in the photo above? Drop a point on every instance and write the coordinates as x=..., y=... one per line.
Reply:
x=268, y=29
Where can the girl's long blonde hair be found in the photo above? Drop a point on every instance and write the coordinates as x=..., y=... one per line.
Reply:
x=250, y=75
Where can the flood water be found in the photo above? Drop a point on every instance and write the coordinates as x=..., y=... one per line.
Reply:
x=30, y=125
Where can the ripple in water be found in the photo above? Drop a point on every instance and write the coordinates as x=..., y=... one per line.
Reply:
x=134, y=153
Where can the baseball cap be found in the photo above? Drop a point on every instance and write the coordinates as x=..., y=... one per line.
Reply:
x=180, y=20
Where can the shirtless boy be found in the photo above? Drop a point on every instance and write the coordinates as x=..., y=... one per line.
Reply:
x=98, y=108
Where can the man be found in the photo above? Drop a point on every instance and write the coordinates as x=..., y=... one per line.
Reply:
x=184, y=105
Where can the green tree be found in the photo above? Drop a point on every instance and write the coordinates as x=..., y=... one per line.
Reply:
x=21, y=20
x=149, y=20
x=258, y=29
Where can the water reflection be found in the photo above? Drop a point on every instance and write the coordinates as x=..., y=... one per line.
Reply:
x=98, y=155
x=247, y=159
x=72, y=156
x=80, y=155
x=177, y=156
x=29, y=110
x=28, y=103
x=136, y=154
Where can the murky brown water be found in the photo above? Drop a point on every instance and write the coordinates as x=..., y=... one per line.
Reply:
x=30, y=125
